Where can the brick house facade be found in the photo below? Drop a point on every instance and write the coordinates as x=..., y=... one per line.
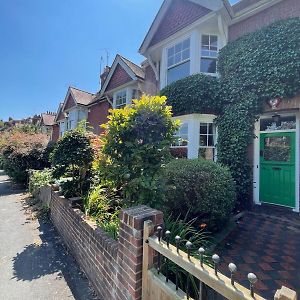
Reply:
x=184, y=39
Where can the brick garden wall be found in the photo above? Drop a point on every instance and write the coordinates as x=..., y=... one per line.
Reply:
x=113, y=267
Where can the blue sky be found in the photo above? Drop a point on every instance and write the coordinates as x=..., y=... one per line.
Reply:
x=48, y=45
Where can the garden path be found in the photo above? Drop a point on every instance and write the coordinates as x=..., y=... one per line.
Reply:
x=266, y=242
x=33, y=262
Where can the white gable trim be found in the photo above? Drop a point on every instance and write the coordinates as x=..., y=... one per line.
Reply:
x=212, y=5
x=66, y=98
x=60, y=106
x=118, y=61
x=182, y=32
x=154, y=26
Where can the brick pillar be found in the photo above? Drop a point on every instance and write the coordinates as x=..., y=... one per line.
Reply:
x=130, y=254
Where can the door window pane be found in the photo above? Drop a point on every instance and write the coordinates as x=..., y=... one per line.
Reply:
x=282, y=123
x=277, y=148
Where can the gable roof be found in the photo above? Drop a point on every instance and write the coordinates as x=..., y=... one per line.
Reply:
x=195, y=9
x=80, y=96
x=59, y=115
x=133, y=71
x=137, y=70
x=48, y=119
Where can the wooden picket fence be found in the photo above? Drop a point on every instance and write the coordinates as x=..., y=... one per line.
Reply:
x=158, y=286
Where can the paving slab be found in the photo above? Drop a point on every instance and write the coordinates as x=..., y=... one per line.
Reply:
x=33, y=262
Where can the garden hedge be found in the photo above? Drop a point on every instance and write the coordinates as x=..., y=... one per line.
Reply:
x=202, y=188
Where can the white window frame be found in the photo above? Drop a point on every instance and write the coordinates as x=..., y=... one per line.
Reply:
x=209, y=57
x=214, y=135
x=173, y=45
x=193, y=121
x=129, y=94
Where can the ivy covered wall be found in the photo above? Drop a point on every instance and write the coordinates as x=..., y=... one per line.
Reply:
x=255, y=68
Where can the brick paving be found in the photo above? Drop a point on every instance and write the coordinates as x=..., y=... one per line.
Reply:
x=268, y=245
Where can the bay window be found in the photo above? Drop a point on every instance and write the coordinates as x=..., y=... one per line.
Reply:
x=209, y=54
x=196, y=137
x=181, y=137
x=178, y=61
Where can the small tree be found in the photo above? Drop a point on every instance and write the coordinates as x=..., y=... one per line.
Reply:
x=72, y=157
x=136, y=147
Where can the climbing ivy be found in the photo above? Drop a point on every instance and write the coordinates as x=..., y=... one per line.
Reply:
x=255, y=68
x=194, y=94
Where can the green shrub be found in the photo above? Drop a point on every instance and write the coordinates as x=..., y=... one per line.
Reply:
x=72, y=157
x=103, y=205
x=1, y=162
x=38, y=179
x=22, y=151
x=135, y=147
x=203, y=188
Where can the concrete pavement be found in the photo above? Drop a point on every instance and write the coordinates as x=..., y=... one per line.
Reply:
x=33, y=262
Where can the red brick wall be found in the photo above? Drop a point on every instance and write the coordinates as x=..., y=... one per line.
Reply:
x=55, y=133
x=151, y=85
x=282, y=10
x=98, y=115
x=180, y=14
x=119, y=77
x=113, y=267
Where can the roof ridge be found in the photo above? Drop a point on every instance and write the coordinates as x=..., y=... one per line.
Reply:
x=75, y=88
x=124, y=58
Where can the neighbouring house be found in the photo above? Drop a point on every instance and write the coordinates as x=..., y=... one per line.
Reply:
x=46, y=123
x=71, y=111
x=121, y=83
x=184, y=39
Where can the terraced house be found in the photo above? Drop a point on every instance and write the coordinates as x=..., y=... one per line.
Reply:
x=185, y=39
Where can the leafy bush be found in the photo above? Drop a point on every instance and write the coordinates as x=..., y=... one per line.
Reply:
x=22, y=151
x=38, y=179
x=135, y=147
x=72, y=157
x=203, y=188
x=1, y=162
x=103, y=205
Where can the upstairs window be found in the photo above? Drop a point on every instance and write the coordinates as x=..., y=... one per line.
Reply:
x=121, y=99
x=181, y=137
x=178, y=61
x=209, y=54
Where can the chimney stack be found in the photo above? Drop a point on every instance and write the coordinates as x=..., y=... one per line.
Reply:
x=104, y=75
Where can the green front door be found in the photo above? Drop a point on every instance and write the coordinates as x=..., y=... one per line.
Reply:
x=277, y=168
